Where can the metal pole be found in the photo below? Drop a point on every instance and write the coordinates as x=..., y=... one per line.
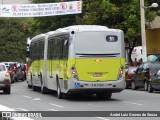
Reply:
x=143, y=34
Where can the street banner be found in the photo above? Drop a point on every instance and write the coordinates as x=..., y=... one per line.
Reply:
x=39, y=10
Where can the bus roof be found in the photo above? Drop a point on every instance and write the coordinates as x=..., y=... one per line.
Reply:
x=85, y=28
x=38, y=36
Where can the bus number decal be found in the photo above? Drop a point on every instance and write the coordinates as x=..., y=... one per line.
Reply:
x=111, y=38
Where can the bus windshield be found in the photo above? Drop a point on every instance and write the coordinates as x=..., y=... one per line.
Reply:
x=97, y=43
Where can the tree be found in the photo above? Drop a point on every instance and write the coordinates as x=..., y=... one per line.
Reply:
x=129, y=21
x=13, y=34
x=118, y=14
x=100, y=16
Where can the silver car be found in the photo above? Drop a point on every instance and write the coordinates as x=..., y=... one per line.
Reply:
x=5, y=80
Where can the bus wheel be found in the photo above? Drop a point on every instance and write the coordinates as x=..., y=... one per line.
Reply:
x=109, y=95
x=34, y=88
x=105, y=95
x=59, y=93
x=30, y=85
x=43, y=89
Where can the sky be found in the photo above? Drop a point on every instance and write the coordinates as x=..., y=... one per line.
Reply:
x=15, y=1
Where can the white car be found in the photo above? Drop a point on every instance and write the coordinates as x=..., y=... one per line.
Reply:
x=5, y=80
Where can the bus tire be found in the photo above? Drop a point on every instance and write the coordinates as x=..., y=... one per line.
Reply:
x=109, y=95
x=104, y=95
x=30, y=85
x=59, y=93
x=34, y=88
x=44, y=90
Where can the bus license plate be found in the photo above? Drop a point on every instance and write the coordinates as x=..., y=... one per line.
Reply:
x=97, y=85
x=97, y=75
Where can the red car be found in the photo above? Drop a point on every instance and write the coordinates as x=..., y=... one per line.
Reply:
x=130, y=71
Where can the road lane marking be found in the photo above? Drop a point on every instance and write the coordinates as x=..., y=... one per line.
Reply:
x=7, y=109
x=140, y=92
x=4, y=108
x=102, y=118
x=132, y=103
x=56, y=105
x=53, y=110
x=31, y=97
x=19, y=109
x=27, y=96
x=37, y=99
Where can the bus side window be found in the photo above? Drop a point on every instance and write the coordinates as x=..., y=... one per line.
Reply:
x=65, y=42
x=38, y=49
x=65, y=49
x=42, y=49
x=56, y=45
x=61, y=47
x=49, y=49
x=31, y=51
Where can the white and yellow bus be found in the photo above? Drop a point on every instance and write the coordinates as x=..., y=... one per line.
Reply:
x=86, y=59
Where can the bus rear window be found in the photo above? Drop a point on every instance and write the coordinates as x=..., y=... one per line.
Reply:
x=111, y=38
x=94, y=42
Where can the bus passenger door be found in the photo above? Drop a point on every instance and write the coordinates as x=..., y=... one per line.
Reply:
x=38, y=63
x=63, y=62
x=65, y=58
x=36, y=67
x=50, y=65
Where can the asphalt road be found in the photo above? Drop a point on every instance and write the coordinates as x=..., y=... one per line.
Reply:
x=25, y=99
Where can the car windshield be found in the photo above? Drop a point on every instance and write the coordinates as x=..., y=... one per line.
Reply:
x=2, y=68
x=11, y=65
x=132, y=69
x=154, y=67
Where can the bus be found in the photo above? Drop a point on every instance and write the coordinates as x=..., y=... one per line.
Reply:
x=88, y=59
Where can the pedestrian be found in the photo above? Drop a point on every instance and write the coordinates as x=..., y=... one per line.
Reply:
x=140, y=61
x=135, y=62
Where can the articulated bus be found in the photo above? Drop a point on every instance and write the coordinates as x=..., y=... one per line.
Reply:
x=87, y=59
